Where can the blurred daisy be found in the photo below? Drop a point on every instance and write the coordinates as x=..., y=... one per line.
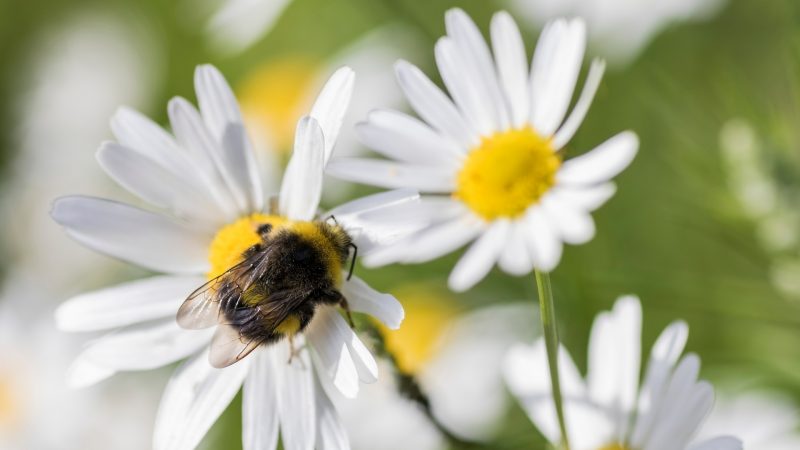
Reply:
x=620, y=27
x=603, y=412
x=761, y=420
x=33, y=396
x=237, y=24
x=275, y=94
x=207, y=179
x=440, y=345
x=495, y=152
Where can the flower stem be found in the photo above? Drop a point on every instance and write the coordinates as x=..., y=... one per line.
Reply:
x=548, y=315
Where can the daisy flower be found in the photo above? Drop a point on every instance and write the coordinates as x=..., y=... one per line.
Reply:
x=440, y=345
x=206, y=178
x=761, y=419
x=604, y=411
x=238, y=24
x=495, y=152
x=620, y=27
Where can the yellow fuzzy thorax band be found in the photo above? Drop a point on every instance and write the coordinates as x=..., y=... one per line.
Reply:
x=233, y=239
x=508, y=172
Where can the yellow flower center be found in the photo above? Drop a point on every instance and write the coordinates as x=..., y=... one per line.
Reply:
x=419, y=339
x=613, y=447
x=275, y=95
x=506, y=173
x=233, y=239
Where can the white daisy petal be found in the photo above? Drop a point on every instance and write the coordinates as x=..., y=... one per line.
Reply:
x=575, y=119
x=573, y=225
x=137, y=132
x=515, y=258
x=239, y=23
x=84, y=373
x=544, y=245
x=365, y=363
x=193, y=134
x=302, y=183
x=433, y=105
x=663, y=356
x=332, y=355
x=331, y=434
x=260, y=402
x=194, y=398
x=404, y=138
x=384, y=307
x=134, y=130
x=240, y=159
x=526, y=372
x=556, y=65
x=215, y=97
x=373, y=203
x=587, y=198
x=601, y=164
x=511, y=61
x=146, y=346
x=296, y=400
x=125, y=304
x=480, y=68
x=481, y=256
x=380, y=219
x=615, y=361
x=719, y=443
x=683, y=399
x=143, y=238
x=393, y=175
x=331, y=105
x=157, y=185
x=440, y=239
x=462, y=86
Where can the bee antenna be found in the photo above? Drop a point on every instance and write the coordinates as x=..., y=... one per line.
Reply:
x=332, y=217
x=352, y=261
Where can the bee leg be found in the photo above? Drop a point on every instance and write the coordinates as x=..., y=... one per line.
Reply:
x=295, y=351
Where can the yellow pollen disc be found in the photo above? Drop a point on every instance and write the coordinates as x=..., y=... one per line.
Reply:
x=419, y=339
x=275, y=95
x=233, y=239
x=613, y=447
x=507, y=173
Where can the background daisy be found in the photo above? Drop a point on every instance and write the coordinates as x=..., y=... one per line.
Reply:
x=609, y=409
x=441, y=345
x=496, y=150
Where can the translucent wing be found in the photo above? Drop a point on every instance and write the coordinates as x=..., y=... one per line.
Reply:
x=202, y=308
x=229, y=346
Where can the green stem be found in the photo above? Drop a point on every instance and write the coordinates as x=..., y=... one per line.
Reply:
x=548, y=315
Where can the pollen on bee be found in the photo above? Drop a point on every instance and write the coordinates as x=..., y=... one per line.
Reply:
x=289, y=326
x=233, y=239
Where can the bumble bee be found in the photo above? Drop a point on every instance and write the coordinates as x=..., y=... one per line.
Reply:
x=273, y=292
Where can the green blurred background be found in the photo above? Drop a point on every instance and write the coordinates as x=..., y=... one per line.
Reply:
x=704, y=226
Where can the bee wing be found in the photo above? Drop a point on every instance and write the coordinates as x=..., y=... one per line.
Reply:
x=229, y=346
x=201, y=309
x=281, y=305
